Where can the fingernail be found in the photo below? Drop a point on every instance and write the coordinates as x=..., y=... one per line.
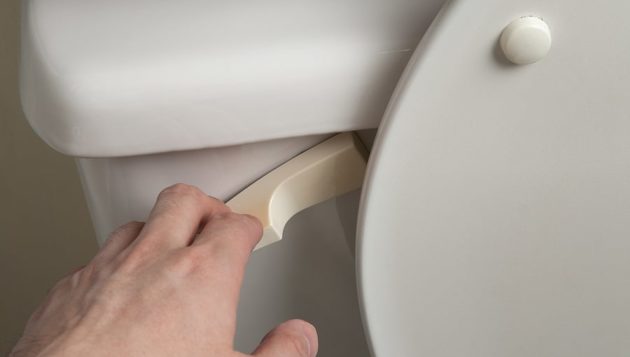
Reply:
x=310, y=335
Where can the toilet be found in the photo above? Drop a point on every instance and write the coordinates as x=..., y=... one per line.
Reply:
x=489, y=216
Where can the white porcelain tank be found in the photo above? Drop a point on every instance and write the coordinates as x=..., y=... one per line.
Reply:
x=113, y=78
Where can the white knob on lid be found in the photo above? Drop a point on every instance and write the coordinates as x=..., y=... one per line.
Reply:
x=526, y=40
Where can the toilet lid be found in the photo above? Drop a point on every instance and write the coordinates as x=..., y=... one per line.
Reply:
x=495, y=218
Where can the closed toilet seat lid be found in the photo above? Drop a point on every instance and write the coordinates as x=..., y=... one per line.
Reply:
x=495, y=219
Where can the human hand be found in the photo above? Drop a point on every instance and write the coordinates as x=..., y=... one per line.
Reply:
x=169, y=287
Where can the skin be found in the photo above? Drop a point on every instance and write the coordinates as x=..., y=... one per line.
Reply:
x=167, y=287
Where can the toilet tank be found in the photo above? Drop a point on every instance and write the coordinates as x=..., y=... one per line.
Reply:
x=147, y=93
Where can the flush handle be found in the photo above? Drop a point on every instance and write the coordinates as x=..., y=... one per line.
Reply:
x=327, y=170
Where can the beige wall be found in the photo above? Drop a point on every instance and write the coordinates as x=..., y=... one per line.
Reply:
x=44, y=226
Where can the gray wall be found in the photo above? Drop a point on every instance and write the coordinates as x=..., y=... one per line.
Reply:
x=45, y=230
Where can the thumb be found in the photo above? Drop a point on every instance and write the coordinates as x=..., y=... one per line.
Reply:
x=294, y=338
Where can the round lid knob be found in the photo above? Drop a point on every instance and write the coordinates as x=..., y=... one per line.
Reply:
x=526, y=40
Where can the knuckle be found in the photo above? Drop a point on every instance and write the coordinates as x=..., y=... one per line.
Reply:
x=241, y=220
x=181, y=190
x=245, y=224
x=236, y=229
x=89, y=273
x=71, y=280
x=227, y=216
x=218, y=203
x=183, y=195
x=254, y=223
x=133, y=225
x=136, y=257
x=215, y=199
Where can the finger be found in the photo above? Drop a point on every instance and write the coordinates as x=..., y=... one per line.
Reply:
x=294, y=338
x=230, y=237
x=226, y=242
x=176, y=217
x=118, y=241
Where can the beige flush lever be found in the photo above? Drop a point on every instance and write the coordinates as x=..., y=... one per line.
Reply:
x=330, y=169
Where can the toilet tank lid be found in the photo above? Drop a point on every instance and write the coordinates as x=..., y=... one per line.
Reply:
x=109, y=78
